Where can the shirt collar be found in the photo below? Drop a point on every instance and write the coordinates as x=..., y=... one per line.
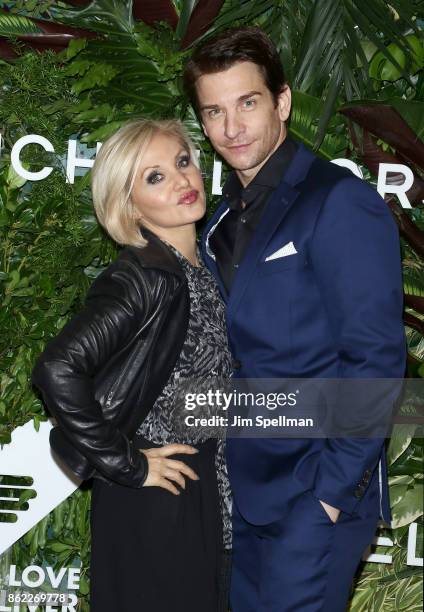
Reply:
x=268, y=177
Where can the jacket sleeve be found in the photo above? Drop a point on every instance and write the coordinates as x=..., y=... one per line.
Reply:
x=65, y=372
x=355, y=255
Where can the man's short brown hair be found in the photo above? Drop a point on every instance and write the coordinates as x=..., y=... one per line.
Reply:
x=247, y=44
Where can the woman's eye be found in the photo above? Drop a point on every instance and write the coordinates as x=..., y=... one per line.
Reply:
x=184, y=161
x=154, y=177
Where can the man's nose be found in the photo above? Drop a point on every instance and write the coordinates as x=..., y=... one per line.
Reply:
x=233, y=126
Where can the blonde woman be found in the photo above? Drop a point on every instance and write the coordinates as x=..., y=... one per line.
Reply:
x=152, y=322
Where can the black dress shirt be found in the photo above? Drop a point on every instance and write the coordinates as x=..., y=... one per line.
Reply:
x=231, y=237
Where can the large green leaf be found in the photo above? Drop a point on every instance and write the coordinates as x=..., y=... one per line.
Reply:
x=103, y=16
x=382, y=68
x=399, y=441
x=411, y=111
x=409, y=507
x=303, y=125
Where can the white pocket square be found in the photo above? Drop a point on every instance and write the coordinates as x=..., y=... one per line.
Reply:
x=287, y=249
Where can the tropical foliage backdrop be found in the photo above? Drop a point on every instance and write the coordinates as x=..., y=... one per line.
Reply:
x=80, y=69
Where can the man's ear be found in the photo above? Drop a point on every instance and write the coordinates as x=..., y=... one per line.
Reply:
x=284, y=103
x=204, y=129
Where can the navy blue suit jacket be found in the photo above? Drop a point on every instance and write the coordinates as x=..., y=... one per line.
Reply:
x=332, y=310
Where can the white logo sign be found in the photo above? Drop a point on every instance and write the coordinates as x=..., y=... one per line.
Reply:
x=73, y=162
x=28, y=454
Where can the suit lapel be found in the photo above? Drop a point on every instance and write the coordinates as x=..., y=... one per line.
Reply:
x=277, y=208
x=207, y=254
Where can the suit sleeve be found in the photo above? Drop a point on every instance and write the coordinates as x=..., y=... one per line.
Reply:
x=65, y=371
x=355, y=255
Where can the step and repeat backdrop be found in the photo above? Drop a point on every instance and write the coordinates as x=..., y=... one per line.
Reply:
x=70, y=75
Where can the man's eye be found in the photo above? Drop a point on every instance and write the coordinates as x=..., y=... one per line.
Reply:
x=184, y=161
x=154, y=177
x=249, y=103
x=213, y=112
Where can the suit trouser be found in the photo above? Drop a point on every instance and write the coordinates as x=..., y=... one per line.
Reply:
x=301, y=563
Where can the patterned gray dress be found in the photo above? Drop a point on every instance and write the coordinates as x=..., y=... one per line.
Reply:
x=204, y=360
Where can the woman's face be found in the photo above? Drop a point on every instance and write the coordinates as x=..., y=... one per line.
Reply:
x=168, y=190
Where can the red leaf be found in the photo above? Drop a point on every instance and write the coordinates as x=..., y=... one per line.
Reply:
x=386, y=123
x=407, y=228
x=413, y=322
x=415, y=301
x=78, y=2
x=373, y=155
x=201, y=18
x=7, y=52
x=151, y=11
x=43, y=42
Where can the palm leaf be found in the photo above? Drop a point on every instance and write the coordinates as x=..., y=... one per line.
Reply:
x=413, y=281
x=16, y=25
x=382, y=120
x=330, y=60
x=303, y=127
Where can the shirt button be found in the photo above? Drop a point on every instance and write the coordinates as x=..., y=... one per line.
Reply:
x=243, y=219
x=235, y=265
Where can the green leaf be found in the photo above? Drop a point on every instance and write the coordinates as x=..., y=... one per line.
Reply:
x=383, y=69
x=397, y=492
x=74, y=47
x=13, y=179
x=16, y=25
x=103, y=132
x=60, y=547
x=304, y=119
x=409, y=507
x=103, y=16
x=96, y=75
x=83, y=585
x=411, y=111
x=399, y=442
x=186, y=11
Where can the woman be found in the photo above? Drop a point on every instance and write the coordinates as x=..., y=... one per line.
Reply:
x=152, y=324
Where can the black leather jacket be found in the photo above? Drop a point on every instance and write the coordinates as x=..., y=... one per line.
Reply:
x=101, y=375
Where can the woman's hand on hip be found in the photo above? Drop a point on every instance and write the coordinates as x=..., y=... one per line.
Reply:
x=162, y=471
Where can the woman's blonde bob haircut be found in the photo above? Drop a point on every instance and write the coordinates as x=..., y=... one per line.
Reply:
x=115, y=171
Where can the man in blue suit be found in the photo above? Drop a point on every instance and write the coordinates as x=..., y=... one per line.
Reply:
x=307, y=258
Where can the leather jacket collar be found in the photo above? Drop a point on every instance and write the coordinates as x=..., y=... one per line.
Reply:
x=156, y=254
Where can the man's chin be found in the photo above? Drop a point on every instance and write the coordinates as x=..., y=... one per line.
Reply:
x=242, y=164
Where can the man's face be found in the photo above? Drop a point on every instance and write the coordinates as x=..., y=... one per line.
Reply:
x=240, y=117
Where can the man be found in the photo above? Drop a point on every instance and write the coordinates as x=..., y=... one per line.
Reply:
x=307, y=257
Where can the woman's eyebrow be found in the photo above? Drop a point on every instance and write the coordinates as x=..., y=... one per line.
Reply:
x=144, y=170
x=182, y=150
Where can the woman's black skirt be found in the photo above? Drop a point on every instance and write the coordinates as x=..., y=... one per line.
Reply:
x=152, y=551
